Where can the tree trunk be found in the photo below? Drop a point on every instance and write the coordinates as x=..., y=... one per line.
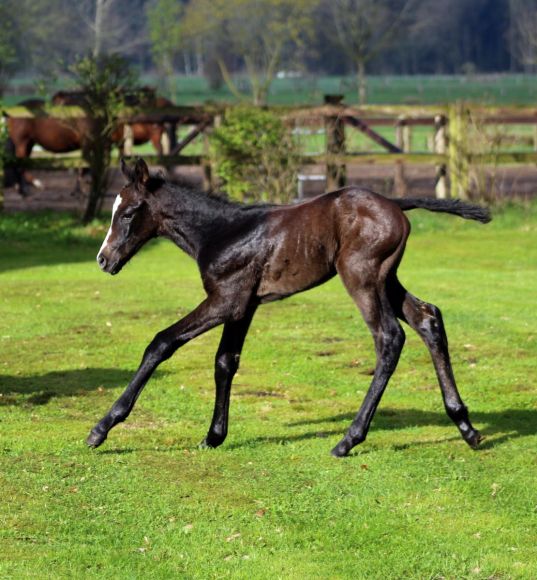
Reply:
x=97, y=153
x=226, y=76
x=99, y=17
x=362, y=84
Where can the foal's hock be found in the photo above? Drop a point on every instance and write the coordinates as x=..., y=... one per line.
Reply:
x=252, y=254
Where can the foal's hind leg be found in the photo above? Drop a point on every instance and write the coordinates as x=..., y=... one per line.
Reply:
x=389, y=339
x=426, y=320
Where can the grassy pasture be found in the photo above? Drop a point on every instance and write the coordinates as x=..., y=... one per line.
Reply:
x=412, y=501
x=382, y=89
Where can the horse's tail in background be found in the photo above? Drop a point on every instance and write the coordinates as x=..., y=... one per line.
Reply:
x=453, y=206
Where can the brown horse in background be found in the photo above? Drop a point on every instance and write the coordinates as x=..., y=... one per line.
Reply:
x=141, y=132
x=65, y=136
x=54, y=135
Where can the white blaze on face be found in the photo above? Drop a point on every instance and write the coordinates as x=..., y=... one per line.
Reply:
x=117, y=203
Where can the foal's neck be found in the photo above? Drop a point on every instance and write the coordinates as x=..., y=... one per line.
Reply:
x=194, y=220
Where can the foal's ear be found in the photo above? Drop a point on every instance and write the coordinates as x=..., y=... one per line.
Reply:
x=126, y=170
x=141, y=172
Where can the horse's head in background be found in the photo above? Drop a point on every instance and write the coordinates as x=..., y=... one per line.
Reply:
x=132, y=222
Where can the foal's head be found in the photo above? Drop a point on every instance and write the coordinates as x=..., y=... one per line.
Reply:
x=132, y=223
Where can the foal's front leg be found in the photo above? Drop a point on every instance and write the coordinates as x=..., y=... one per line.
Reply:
x=207, y=315
x=226, y=365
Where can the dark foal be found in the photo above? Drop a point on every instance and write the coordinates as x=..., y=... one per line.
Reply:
x=250, y=255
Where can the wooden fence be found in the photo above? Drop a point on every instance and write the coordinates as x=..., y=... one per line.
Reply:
x=449, y=150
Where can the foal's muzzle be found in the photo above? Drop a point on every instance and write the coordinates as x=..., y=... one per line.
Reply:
x=102, y=261
x=106, y=265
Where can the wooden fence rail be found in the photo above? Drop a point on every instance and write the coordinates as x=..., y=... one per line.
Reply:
x=449, y=152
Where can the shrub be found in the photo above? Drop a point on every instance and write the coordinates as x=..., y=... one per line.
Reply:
x=255, y=156
x=105, y=82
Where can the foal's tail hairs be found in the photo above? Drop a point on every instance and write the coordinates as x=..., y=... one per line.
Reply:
x=454, y=206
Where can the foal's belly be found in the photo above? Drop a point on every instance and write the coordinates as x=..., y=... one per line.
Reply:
x=297, y=265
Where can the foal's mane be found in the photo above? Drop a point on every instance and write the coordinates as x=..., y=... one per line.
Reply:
x=182, y=189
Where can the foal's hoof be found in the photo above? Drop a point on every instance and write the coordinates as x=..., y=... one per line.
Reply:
x=210, y=443
x=95, y=439
x=473, y=439
x=204, y=444
x=341, y=449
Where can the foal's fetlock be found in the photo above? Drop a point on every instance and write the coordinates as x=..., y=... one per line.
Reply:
x=473, y=438
x=96, y=438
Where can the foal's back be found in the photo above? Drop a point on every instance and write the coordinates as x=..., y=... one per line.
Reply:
x=312, y=237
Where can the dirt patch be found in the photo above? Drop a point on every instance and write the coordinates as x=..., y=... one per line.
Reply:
x=261, y=394
x=58, y=186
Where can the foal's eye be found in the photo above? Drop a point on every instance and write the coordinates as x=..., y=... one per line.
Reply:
x=127, y=217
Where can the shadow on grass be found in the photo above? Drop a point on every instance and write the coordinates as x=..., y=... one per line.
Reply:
x=496, y=426
x=49, y=238
x=40, y=389
x=21, y=256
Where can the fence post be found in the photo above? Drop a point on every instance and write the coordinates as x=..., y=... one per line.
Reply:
x=1, y=185
x=128, y=140
x=440, y=146
x=208, y=166
x=170, y=138
x=165, y=143
x=336, y=173
x=399, y=132
x=459, y=166
x=403, y=134
x=3, y=133
x=402, y=141
x=400, y=186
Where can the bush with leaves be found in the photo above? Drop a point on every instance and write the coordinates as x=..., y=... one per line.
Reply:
x=105, y=82
x=255, y=156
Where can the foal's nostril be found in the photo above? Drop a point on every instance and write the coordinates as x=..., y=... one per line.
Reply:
x=102, y=261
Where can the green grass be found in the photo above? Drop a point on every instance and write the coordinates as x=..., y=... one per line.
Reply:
x=382, y=89
x=412, y=501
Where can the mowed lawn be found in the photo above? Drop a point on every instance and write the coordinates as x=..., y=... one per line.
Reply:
x=413, y=501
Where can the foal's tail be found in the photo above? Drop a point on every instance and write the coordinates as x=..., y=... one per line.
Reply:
x=454, y=206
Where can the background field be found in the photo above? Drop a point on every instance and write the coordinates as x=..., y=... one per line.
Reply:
x=309, y=90
x=413, y=500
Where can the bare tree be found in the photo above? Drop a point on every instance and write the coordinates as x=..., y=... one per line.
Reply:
x=523, y=32
x=364, y=28
x=57, y=32
x=255, y=33
x=111, y=26
x=8, y=51
x=165, y=25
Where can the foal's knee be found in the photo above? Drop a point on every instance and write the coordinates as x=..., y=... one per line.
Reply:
x=398, y=337
x=431, y=325
x=160, y=348
x=226, y=365
x=393, y=340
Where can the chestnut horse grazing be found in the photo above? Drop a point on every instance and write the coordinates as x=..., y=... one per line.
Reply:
x=67, y=135
x=251, y=255
x=141, y=132
x=54, y=135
